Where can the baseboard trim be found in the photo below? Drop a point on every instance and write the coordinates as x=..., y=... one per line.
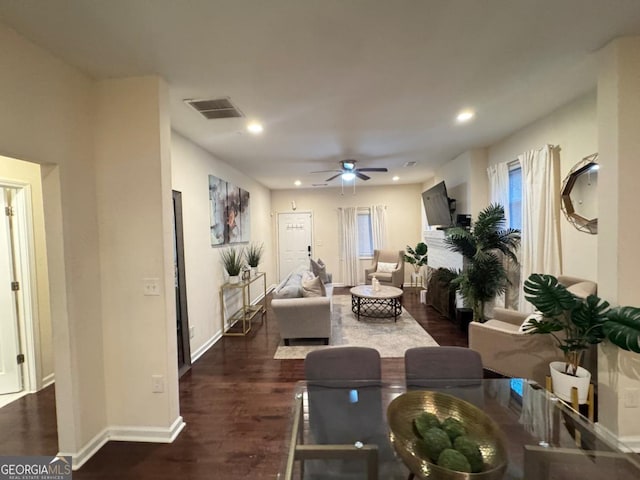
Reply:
x=629, y=442
x=147, y=434
x=89, y=450
x=125, y=434
x=207, y=345
x=49, y=380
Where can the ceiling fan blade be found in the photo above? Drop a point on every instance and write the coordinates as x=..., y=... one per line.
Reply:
x=361, y=176
x=373, y=169
x=335, y=176
x=327, y=171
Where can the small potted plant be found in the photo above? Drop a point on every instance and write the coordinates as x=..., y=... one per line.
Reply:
x=253, y=254
x=232, y=260
x=576, y=323
x=417, y=257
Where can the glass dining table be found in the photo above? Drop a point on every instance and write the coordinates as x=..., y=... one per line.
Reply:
x=342, y=432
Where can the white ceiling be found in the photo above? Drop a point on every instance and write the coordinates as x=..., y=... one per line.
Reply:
x=379, y=81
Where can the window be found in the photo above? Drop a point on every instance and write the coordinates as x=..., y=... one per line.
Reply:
x=515, y=198
x=365, y=240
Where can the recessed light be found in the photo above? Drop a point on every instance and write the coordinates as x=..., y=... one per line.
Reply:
x=255, y=127
x=396, y=178
x=297, y=183
x=347, y=177
x=465, y=116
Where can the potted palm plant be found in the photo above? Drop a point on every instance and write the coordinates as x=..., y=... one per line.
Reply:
x=576, y=323
x=483, y=249
x=253, y=254
x=232, y=260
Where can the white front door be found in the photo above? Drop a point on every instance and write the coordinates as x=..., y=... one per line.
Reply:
x=294, y=241
x=10, y=371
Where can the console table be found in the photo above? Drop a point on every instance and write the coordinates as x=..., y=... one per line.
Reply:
x=240, y=321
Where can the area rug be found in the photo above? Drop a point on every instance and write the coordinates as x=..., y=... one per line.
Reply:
x=390, y=338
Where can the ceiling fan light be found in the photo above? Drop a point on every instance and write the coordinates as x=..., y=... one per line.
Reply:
x=349, y=165
x=348, y=176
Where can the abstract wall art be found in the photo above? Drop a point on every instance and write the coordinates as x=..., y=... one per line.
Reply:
x=229, y=212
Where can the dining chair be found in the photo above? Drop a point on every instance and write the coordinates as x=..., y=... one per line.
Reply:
x=343, y=366
x=454, y=370
x=345, y=407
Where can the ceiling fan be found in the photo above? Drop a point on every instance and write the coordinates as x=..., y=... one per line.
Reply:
x=348, y=171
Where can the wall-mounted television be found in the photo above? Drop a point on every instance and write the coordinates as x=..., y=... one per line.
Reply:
x=437, y=205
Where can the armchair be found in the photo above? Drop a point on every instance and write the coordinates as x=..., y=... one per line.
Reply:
x=393, y=277
x=505, y=349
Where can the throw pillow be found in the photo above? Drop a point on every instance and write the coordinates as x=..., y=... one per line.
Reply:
x=313, y=288
x=527, y=321
x=386, y=267
x=319, y=269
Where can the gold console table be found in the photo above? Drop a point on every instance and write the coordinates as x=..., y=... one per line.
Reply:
x=240, y=321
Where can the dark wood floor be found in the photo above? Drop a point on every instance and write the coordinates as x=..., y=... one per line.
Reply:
x=235, y=401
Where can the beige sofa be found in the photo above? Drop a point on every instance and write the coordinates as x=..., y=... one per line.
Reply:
x=507, y=351
x=302, y=317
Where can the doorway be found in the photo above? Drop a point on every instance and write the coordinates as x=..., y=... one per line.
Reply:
x=19, y=327
x=294, y=241
x=182, y=317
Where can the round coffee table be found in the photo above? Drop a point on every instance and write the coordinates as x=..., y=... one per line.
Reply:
x=386, y=302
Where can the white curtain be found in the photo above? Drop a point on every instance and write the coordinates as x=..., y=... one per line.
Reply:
x=348, y=222
x=540, y=246
x=499, y=193
x=499, y=186
x=379, y=226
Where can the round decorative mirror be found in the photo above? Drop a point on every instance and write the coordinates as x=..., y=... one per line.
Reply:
x=579, y=195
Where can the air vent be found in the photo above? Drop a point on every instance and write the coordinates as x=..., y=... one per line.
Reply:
x=216, y=108
x=410, y=164
x=319, y=184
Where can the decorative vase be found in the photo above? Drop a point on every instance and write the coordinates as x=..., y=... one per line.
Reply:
x=233, y=279
x=254, y=271
x=563, y=383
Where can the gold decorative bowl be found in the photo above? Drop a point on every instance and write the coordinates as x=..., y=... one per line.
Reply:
x=405, y=408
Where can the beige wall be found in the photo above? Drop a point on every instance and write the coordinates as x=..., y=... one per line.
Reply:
x=204, y=273
x=618, y=229
x=133, y=189
x=46, y=119
x=403, y=217
x=107, y=228
x=29, y=174
x=574, y=129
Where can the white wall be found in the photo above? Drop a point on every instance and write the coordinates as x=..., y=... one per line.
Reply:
x=29, y=174
x=191, y=167
x=403, y=217
x=574, y=129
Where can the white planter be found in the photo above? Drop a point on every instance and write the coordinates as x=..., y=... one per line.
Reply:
x=563, y=383
x=233, y=279
x=254, y=271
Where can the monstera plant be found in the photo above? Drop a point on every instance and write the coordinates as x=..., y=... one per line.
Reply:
x=575, y=323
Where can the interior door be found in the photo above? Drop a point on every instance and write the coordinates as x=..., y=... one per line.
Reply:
x=294, y=241
x=182, y=317
x=10, y=371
